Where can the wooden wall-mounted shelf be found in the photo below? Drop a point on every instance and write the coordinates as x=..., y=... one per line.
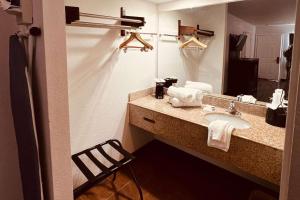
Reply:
x=189, y=30
x=73, y=16
x=128, y=23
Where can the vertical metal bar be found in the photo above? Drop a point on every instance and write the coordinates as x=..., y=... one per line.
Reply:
x=179, y=28
x=123, y=32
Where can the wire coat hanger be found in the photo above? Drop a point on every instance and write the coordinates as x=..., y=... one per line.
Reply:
x=136, y=36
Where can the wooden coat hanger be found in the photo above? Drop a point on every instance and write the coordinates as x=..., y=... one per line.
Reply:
x=193, y=40
x=136, y=36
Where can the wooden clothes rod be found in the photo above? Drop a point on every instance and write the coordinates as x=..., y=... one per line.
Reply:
x=109, y=17
x=99, y=25
x=155, y=34
x=73, y=16
x=168, y=35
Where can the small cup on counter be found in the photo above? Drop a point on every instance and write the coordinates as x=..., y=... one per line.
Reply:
x=159, y=89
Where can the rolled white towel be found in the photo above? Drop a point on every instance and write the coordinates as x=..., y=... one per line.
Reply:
x=205, y=87
x=186, y=95
x=177, y=103
x=248, y=99
x=219, y=134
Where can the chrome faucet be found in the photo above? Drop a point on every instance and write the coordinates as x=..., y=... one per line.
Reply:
x=232, y=109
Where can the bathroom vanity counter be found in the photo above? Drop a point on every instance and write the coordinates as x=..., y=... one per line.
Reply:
x=260, y=131
x=257, y=150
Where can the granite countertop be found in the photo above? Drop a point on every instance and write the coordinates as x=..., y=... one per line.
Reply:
x=260, y=132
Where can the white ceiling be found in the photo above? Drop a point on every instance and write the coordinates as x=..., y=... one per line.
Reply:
x=169, y=5
x=265, y=12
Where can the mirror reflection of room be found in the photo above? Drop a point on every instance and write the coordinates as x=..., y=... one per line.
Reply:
x=249, y=55
x=260, y=46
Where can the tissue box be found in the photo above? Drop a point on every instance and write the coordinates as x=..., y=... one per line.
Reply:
x=276, y=117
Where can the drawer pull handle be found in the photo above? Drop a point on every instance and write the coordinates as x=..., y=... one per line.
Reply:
x=149, y=120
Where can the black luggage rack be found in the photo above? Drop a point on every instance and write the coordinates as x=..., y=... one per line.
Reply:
x=105, y=171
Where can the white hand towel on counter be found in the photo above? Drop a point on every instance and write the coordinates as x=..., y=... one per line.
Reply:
x=177, y=103
x=204, y=87
x=186, y=95
x=219, y=134
x=248, y=99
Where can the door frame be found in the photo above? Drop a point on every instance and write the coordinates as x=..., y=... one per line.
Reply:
x=290, y=175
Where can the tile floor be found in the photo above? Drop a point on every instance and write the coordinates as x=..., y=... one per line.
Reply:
x=166, y=173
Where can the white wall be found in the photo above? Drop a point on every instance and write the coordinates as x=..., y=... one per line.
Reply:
x=10, y=180
x=51, y=99
x=192, y=64
x=238, y=26
x=101, y=77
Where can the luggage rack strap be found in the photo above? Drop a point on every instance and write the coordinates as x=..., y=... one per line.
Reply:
x=119, y=148
x=97, y=162
x=83, y=168
x=109, y=158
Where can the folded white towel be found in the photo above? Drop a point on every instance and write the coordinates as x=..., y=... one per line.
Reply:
x=248, y=99
x=186, y=95
x=205, y=87
x=209, y=108
x=219, y=134
x=177, y=103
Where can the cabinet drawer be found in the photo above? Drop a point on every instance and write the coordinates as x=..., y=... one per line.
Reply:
x=141, y=118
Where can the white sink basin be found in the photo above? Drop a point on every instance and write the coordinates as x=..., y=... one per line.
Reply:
x=236, y=121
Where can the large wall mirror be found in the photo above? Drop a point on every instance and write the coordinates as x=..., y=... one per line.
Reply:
x=250, y=52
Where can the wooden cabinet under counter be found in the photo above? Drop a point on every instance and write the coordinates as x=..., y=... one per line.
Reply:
x=259, y=157
x=142, y=118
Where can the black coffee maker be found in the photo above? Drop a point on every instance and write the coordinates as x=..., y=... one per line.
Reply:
x=159, y=89
x=161, y=84
x=170, y=82
x=276, y=117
